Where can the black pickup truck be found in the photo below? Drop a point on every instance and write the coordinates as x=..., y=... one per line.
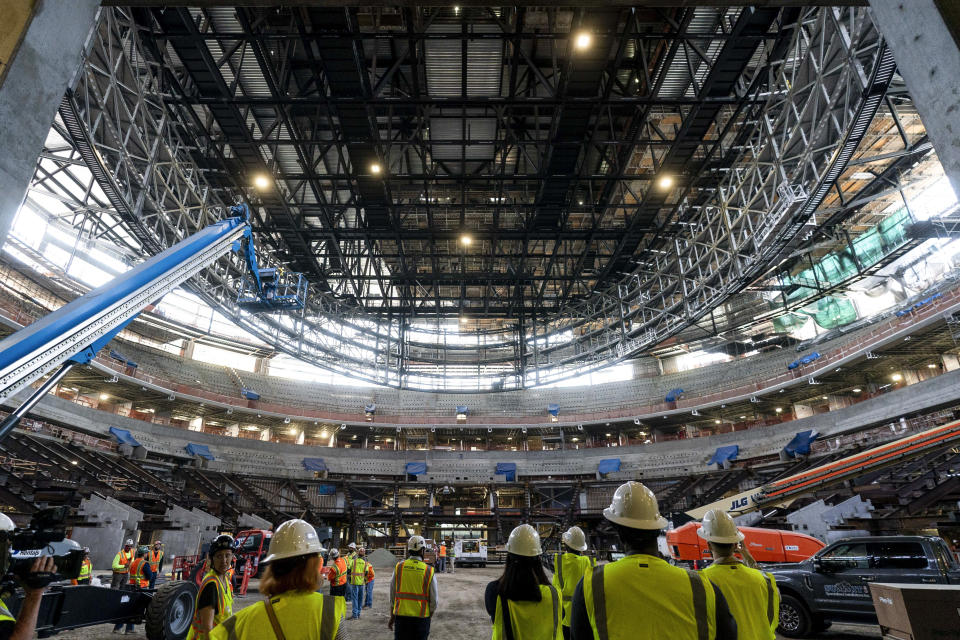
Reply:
x=833, y=585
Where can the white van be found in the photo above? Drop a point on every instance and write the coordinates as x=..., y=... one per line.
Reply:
x=471, y=551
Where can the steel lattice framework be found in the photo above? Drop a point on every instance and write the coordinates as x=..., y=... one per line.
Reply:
x=489, y=123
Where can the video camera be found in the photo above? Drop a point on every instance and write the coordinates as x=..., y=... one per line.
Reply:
x=44, y=536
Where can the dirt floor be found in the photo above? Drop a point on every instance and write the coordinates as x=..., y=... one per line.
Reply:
x=461, y=615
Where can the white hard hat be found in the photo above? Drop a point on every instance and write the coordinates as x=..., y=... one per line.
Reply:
x=719, y=527
x=334, y=553
x=416, y=543
x=524, y=541
x=635, y=506
x=128, y=543
x=6, y=524
x=293, y=538
x=352, y=545
x=575, y=538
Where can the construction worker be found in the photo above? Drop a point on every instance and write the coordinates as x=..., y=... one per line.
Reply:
x=293, y=609
x=215, y=598
x=442, y=557
x=23, y=625
x=121, y=565
x=337, y=574
x=452, y=556
x=350, y=556
x=139, y=579
x=86, y=570
x=413, y=594
x=356, y=575
x=522, y=603
x=155, y=558
x=751, y=594
x=368, y=586
x=569, y=567
x=642, y=596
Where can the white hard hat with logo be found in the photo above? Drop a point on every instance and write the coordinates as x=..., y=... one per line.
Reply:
x=416, y=543
x=718, y=526
x=128, y=543
x=524, y=541
x=575, y=539
x=293, y=538
x=635, y=506
x=352, y=545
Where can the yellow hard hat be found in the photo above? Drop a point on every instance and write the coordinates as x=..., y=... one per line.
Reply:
x=293, y=538
x=524, y=541
x=635, y=506
x=719, y=527
x=575, y=538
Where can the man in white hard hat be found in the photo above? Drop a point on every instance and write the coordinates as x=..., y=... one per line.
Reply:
x=22, y=627
x=752, y=595
x=569, y=567
x=641, y=596
x=121, y=564
x=413, y=594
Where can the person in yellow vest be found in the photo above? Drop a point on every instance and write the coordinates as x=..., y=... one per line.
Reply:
x=86, y=570
x=155, y=558
x=522, y=603
x=215, y=598
x=368, y=586
x=752, y=595
x=139, y=579
x=23, y=625
x=350, y=556
x=292, y=609
x=569, y=567
x=413, y=594
x=356, y=575
x=121, y=565
x=642, y=596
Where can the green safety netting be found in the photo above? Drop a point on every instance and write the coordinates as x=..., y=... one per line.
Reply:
x=834, y=312
x=789, y=322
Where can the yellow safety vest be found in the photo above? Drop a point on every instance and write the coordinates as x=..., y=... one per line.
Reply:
x=224, y=602
x=5, y=613
x=121, y=561
x=358, y=568
x=752, y=596
x=643, y=597
x=411, y=588
x=86, y=569
x=300, y=614
x=568, y=569
x=531, y=620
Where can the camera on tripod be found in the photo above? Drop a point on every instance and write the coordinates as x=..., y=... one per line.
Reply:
x=45, y=535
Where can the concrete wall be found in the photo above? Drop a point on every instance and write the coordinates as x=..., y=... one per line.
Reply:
x=111, y=522
x=189, y=531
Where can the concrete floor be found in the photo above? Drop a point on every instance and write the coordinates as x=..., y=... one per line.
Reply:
x=461, y=615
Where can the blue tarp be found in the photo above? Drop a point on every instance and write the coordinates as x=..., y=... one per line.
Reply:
x=116, y=355
x=249, y=394
x=314, y=464
x=327, y=489
x=609, y=465
x=509, y=469
x=131, y=363
x=123, y=437
x=370, y=408
x=416, y=468
x=463, y=409
x=809, y=358
x=800, y=445
x=553, y=409
x=673, y=395
x=199, y=450
x=722, y=454
x=793, y=365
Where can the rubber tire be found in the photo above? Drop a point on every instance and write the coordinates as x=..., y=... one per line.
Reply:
x=804, y=621
x=158, y=623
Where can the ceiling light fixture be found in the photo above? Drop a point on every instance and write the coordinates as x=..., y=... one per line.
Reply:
x=466, y=240
x=104, y=396
x=779, y=409
x=896, y=377
x=375, y=169
x=665, y=182
x=261, y=181
x=857, y=390
x=583, y=40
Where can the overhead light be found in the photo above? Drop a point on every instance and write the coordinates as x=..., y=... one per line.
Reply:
x=509, y=437
x=104, y=396
x=716, y=421
x=74, y=462
x=464, y=319
x=608, y=434
x=743, y=417
x=576, y=439
x=456, y=9
x=896, y=377
x=323, y=434
x=824, y=397
x=292, y=432
x=375, y=169
x=779, y=409
x=665, y=182
x=931, y=366
x=261, y=181
x=857, y=390
x=465, y=240
x=582, y=40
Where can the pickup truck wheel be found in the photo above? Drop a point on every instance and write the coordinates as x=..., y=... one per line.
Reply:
x=795, y=619
x=170, y=612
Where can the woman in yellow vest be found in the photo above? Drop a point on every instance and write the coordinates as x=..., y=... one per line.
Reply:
x=569, y=567
x=293, y=610
x=751, y=594
x=413, y=594
x=86, y=569
x=215, y=599
x=522, y=603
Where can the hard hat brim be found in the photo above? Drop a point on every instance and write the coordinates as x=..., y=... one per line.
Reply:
x=721, y=539
x=634, y=523
x=292, y=554
x=575, y=547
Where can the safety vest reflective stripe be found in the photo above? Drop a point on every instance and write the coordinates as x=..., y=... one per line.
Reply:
x=224, y=611
x=556, y=607
x=770, y=611
x=599, y=603
x=558, y=565
x=357, y=576
x=422, y=596
x=121, y=561
x=699, y=605
x=327, y=618
x=5, y=613
x=85, y=570
x=136, y=573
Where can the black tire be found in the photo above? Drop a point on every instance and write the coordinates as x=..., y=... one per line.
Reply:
x=170, y=611
x=795, y=618
x=821, y=625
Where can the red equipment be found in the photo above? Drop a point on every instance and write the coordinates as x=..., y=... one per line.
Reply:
x=765, y=545
x=251, y=548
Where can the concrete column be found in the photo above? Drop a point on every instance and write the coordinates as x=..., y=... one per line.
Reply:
x=233, y=430
x=923, y=35
x=196, y=424
x=950, y=362
x=110, y=523
x=301, y=436
x=265, y=435
x=187, y=351
x=41, y=70
x=803, y=410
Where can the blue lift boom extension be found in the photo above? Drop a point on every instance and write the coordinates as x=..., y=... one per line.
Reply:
x=74, y=333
